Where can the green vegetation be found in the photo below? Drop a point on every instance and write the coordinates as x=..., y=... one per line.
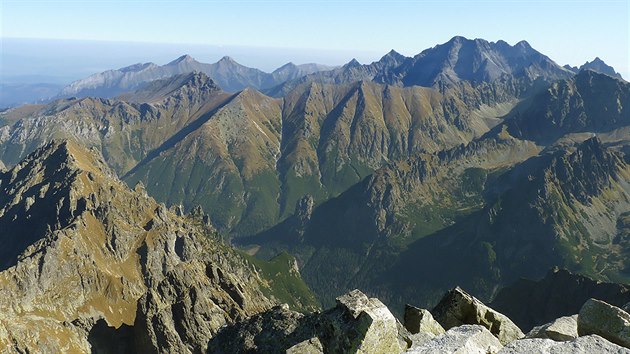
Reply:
x=286, y=284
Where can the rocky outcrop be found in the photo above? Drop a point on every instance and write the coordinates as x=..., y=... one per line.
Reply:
x=608, y=321
x=561, y=329
x=470, y=339
x=357, y=324
x=421, y=321
x=586, y=344
x=458, y=307
x=92, y=262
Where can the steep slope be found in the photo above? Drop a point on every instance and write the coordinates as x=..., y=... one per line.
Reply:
x=227, y=164
x=125, y=132
x=587, y=103
x=91, y=261
x=227, y=73
x=438, y=211
x=335, y=135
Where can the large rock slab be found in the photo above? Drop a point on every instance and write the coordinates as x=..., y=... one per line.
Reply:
x=458, y=307
x=608, y=321
x=468, y=339
x=588, y=345
x=362, y=325
x=562, y=329
x=421, y=321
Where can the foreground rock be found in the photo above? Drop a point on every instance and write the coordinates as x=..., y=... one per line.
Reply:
x=589, y=345
x=421, y=321
x=469, y=339
x=357, y=324
x=562, y=329
x=608, y=321
x=95, y=265
x=458, y=308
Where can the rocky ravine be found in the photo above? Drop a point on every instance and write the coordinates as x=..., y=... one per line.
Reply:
x=89, y=264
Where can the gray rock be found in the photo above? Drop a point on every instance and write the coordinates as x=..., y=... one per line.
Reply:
x=458, y=307
x=608, y=321
x=363, y=323
x=626, y=307
x=587, y=344
x=421, y=321
x=562, y=329
x=469, y=339
x=309, y=346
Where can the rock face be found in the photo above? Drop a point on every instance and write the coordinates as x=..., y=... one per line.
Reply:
x=561, y=329
x=357, y=324
x=421, y=321
x=469, y=339
x=610, y=322
x=586, y=344
x=93, y=263
x=375, y=327
x=458, y=307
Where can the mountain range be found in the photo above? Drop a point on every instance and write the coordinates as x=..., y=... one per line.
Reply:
x=227, y=73
x=471, y=164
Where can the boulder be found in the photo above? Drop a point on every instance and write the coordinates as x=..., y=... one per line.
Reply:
x=587, y=344
x=458, y=308
x=469, y=339
x=362, y=325
x=608, y=321
x=562, y=329
x=421, y=321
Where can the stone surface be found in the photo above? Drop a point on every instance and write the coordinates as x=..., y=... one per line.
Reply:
x=458, y=307
x=608, y=321
x=89, y=259
x=357, y=324
x=587, y=344
x=309, y=346
x=562, y=329
x=421, y=321
x=468, y=339
x=364, y=325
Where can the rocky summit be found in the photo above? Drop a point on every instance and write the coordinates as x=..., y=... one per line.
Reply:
x=97, y=266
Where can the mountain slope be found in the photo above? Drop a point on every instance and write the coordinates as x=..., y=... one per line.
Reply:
x=587, y=103
x=125, y=132
x=100, y=261
x=562, y=208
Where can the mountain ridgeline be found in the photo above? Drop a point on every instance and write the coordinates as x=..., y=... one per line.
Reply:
x=473, y=163
x=229, y=74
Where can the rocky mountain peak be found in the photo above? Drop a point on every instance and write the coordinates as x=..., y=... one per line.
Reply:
x=352, y=64
x=227, y=60
x=184, y=59
x=86, y=253
x=598, y=65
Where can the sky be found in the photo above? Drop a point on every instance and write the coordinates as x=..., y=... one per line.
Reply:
x=266, y=34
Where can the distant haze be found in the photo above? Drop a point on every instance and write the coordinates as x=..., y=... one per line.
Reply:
x=259, y=33
x=62, y=61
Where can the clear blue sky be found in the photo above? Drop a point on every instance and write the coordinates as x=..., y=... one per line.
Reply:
x=568, y=31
